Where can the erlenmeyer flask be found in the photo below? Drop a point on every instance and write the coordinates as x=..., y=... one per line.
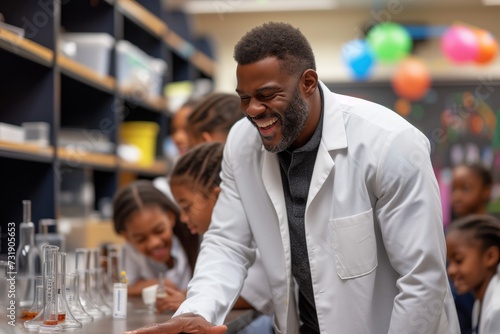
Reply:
x=37, y=305
x=65, y=316
x=73, y=298
x=47, y=320
x=97, y=291
x=83, y=269
x=28, y=262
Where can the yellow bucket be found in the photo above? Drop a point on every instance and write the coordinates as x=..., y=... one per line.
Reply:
x=143, y=136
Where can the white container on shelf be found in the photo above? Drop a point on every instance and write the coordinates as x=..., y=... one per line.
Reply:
x=12, y=133
x=90, y=49
x=137, y=71
x=37, y=133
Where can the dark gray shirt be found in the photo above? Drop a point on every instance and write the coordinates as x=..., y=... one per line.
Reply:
x=296, y=174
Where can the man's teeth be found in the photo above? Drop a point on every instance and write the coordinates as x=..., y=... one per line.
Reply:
x=266, y=124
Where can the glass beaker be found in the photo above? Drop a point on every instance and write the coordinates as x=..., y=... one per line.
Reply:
x=47, y=320
x=65, y=316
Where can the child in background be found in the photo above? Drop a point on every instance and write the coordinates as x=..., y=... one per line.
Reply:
x=473, y=245
x=145, y=217
x=471, y=190
x=195, y=183
x=212, y=118
x=178, y=126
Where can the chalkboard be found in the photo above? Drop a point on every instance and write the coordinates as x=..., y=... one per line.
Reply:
x=458, y=118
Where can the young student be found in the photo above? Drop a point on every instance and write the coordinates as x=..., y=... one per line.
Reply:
x=178, y=126
x=145, y=217
x=212, y=118
x=471, y=190
x=473, y=245
x=195, y=184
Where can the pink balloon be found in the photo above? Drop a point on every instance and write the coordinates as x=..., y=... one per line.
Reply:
x=460, y=44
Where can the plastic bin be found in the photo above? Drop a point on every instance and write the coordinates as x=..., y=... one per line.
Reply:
x=90, y=49
x=137, y=70
x=143, y=136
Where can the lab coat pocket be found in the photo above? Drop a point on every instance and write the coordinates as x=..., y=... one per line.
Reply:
x=354, y=244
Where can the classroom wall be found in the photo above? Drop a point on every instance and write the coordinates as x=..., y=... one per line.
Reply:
x=329, y=30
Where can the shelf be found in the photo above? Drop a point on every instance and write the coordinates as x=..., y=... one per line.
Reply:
x=74, y=158
x=142, y=17
x=158, y=168
x=26, y=151
x=188, y=52
x=84, y=74
x=154, y=103
x=203, y=63
x=25, y=48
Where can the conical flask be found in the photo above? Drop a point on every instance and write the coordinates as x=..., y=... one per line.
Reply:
x=47, y=320
x=84, y=270
x=73, y=298
x=65, y=316
x=28, y=263
x=37, y=305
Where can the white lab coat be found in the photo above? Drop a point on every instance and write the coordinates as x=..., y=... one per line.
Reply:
x=373, y=228
x=490, y=309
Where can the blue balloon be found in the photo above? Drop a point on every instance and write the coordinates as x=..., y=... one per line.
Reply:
x=359, y=56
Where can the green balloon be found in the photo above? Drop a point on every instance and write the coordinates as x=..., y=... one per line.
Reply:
x=390, y=41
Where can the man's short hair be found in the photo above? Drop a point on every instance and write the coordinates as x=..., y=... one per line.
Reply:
x=279, y=40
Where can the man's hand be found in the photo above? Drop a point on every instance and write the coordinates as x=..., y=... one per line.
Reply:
x=185, y=323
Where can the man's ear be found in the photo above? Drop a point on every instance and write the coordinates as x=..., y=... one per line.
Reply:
x=309, y=82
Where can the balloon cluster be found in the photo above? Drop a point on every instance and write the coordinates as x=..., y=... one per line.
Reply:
x=386, y=42
x=462, y=44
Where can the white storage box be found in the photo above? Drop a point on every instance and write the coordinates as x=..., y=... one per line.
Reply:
x=12, y=133
x=90, y=49
x=36, y=133
x=138, y=71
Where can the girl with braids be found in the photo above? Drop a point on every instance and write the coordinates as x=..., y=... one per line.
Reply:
x=473, y=245
x=212, y=118
x=471, y=190
x=195, y=184
x=145, y=217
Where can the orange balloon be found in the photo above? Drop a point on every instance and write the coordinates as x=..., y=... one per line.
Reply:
x=411, y=79
x=488, y=46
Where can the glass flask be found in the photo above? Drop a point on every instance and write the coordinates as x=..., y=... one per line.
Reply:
x=37, y=305
x=47, y=320
x=28, y=263
x=65, y=316
x=84, y=270
x=73, y=298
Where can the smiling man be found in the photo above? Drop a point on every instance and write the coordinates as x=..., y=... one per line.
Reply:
x=339, y=196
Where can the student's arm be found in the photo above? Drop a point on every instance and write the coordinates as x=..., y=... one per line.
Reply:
x=135, y=289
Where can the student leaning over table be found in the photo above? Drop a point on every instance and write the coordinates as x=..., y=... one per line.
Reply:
x=339, y=196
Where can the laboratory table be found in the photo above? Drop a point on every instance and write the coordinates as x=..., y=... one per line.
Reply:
x=139, y=316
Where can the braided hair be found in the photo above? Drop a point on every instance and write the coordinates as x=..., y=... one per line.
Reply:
x=214, y=113
x=484, y=228
x=200, y=167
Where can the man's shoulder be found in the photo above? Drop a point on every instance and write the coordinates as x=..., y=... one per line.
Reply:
x=376, y=115
x=243, y=134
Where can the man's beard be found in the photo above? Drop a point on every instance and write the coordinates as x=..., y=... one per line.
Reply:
x=292, y=123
